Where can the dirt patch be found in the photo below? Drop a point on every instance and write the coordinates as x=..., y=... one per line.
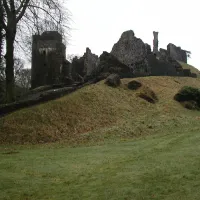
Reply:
x=147, y=94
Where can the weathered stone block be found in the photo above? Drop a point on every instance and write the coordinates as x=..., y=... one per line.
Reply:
x=110, y=64
x=113, y=80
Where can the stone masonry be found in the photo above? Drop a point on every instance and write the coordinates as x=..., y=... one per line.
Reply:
x=85, y=67
x=132, y=52
x=177, y=53
x=155, y=42
x=90, y=63
x=48, y=58
x=130, y=57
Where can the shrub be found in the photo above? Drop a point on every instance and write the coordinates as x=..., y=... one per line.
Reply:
x=134, y=85
x=189, y=97
x=191, y=105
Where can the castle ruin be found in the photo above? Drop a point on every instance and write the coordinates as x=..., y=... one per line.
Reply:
x=177, y=53
x=129, y=57
x=155, y=42
x=48, y=58
x=132, y=52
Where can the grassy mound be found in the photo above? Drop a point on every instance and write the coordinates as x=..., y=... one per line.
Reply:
x=192, y=69
x=97, y=113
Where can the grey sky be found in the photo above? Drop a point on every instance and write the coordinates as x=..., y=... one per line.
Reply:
x=98, y=24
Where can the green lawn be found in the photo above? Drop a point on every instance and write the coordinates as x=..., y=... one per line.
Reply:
x=153, y=167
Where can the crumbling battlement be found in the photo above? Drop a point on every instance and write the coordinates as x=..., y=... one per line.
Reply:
x=172, y=51
x=177, y=53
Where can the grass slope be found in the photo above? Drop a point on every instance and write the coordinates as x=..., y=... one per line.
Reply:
x=192, y=68
x=156, y=167
x=99, y=113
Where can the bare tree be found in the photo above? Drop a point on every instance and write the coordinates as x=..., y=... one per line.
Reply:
x=28, y=16
x=24, y=79
x=1, y=34
x=70, y=57
x=22, y=75
x=2, y=81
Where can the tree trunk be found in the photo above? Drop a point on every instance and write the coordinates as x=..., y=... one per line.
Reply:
x=10, y=82
x=1, y=32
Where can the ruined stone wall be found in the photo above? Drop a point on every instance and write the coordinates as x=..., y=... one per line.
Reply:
x=48, y=56
x=85, y=67
x=66, y=69
x=77, y=69
x=160, y=67
x=132, y=52
x=163, y=54
x=177, y=53
x=148, y=48
x=90, y=63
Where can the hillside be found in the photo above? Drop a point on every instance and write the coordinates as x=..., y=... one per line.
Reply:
x=192, y=69
x=97, y=113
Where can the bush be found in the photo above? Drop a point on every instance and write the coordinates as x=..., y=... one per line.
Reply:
x=189, y=97
x=147, y=94
x=134, y=85
x=191, y=105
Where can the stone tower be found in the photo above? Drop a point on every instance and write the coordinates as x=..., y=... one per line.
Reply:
x=48, y=57
x=155, y=42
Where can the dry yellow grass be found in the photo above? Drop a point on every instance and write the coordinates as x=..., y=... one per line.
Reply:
x=98, y=112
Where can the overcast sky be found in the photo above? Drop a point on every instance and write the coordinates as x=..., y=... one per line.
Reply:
x=98, y=24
